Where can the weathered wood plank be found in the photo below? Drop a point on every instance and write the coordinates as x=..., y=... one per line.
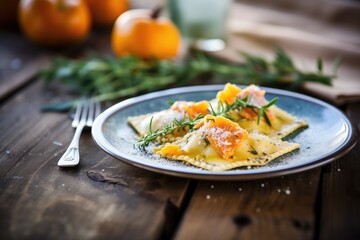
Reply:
x=23, y=126
x=340, y=211
x=21, y=59
x=38, y=200
x=278, y=208
x=16, y=80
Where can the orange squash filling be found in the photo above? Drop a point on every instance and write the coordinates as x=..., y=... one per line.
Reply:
x=170, y=150
x=192, y=109
x=229, y=94
x=224, y=135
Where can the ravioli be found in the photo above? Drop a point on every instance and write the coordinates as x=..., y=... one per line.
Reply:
x=218, y=144
x=238, y=128
x=179, y=110
x=282, y=123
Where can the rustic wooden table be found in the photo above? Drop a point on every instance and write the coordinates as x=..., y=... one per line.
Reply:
x=104, y=198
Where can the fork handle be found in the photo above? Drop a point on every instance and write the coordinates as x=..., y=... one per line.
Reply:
x=71, y=156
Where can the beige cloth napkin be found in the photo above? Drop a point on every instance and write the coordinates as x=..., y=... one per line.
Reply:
x=257, y=29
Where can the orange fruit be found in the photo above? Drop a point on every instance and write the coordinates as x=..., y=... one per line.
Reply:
x=105, y=12
x=54, y=22
x=136, y=32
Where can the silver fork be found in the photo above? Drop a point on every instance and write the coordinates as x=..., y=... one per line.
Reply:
x=86, y=112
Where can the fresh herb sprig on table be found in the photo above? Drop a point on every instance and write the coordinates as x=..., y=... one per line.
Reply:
x=222, y=110
x=110, y=78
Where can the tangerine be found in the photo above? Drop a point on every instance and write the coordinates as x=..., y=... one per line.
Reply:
x=138, y=32
x=105, y=12
x=54, y=22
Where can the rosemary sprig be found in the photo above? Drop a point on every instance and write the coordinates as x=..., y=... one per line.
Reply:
x=222, y=110
x=167, y=129
x=260, y=71
x=110, y=78
x=241, y=103
x=262, y=111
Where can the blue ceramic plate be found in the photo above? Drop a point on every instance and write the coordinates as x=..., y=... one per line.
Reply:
x=329, y=136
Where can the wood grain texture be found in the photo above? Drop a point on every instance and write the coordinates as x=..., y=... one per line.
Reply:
x=278, y=208
x=27, y=73
x=20, y=59
x=340, y=192
x=39, y=200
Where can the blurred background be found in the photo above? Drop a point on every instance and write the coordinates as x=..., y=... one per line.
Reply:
x=306, y=29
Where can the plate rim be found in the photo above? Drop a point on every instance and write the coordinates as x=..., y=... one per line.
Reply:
x=100, y=140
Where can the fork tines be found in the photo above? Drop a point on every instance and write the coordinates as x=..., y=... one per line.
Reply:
x=86, y=112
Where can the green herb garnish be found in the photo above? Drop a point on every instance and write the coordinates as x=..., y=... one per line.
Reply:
x=262, y=111
x=167, y=129
x=110, y=78
x=240, y=104
x=253, y=151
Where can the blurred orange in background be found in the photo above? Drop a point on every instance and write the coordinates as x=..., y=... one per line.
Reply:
x=55, y=22
x=139, y=32
x=105, y=12
x=143, y=33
